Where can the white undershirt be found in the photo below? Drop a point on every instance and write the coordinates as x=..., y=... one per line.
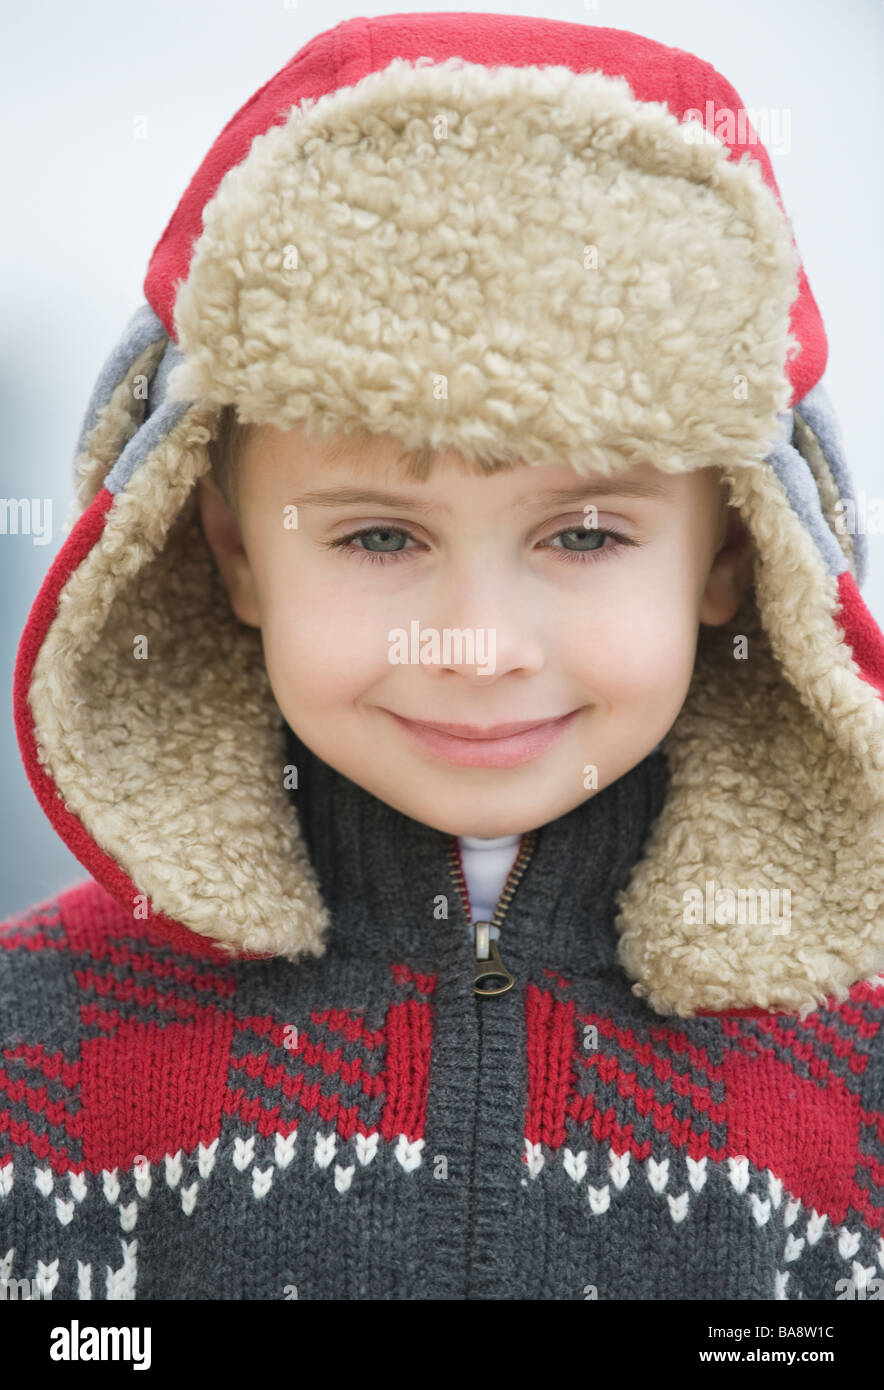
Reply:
x=486, y=866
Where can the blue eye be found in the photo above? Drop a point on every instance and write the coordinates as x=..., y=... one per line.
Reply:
x=599, y=544
x=386, y=533
x=594, y=539
x=592, y=544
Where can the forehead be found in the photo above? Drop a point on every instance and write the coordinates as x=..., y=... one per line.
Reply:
x=346, y=467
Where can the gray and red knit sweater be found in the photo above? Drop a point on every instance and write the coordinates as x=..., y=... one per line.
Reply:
x=177, y=1126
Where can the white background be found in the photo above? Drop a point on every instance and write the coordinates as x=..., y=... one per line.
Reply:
x=85, y=202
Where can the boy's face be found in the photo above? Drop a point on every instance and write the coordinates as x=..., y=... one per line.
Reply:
x=596, y=634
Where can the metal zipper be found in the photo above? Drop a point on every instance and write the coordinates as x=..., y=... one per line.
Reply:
x=490, y=975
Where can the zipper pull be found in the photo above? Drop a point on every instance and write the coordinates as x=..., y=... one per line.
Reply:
x=490, y=975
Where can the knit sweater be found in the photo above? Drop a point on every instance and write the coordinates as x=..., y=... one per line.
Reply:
x=366, y=1126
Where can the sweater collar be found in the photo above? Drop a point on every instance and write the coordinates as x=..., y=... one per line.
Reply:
x=381, y=873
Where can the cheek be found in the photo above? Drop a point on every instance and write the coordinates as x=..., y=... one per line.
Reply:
x=321, y=642
x=636, y=635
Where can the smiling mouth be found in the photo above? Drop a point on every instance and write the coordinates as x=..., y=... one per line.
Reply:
x=493, y=731
x=498, y=745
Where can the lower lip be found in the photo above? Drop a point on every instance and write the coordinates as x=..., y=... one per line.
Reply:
x=489, y=752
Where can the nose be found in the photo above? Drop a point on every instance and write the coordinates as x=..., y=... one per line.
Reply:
x=492, y=628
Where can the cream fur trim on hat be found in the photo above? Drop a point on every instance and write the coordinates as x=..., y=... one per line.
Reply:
x=516, y=263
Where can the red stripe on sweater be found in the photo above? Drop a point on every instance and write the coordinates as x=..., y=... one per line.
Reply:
x=551, y=1040
x=407, y=1070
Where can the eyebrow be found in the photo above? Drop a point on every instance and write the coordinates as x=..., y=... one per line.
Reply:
x=604, y=487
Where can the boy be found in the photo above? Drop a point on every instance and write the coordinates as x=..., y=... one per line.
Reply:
x=457, y=686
